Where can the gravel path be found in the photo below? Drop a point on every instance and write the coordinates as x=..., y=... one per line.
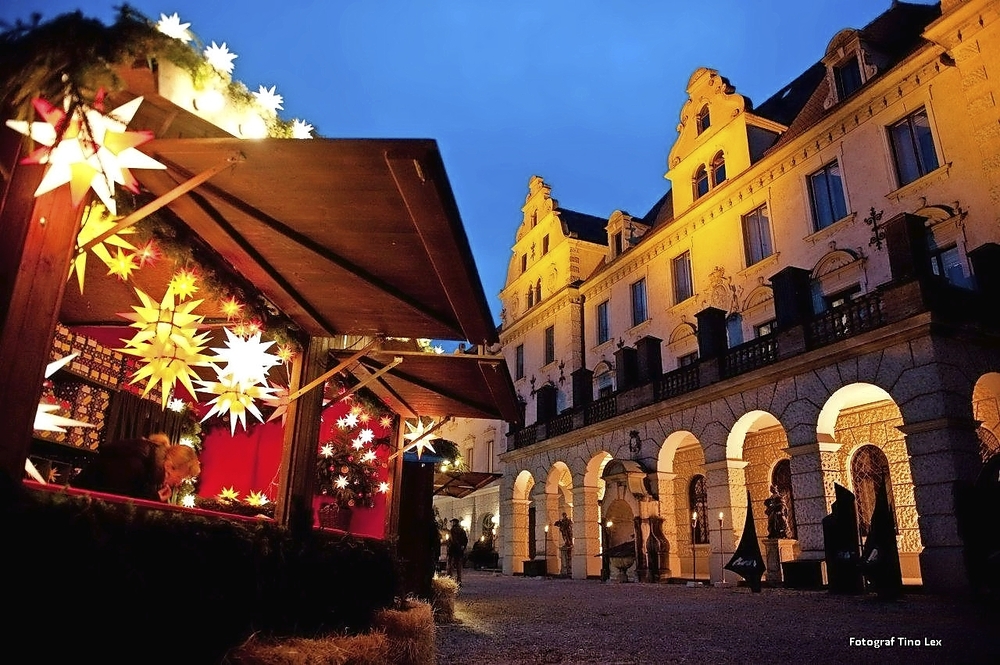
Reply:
x=503, y=619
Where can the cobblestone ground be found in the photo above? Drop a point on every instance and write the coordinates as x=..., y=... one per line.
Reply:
x=504, y=619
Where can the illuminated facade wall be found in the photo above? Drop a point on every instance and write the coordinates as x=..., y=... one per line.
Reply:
x=794, y=183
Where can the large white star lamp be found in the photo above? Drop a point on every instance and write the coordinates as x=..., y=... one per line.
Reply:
x=419, y=436
x=86, y=148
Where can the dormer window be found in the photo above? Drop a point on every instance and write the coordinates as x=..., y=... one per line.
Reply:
x=704, y=120
x=718, y=169
x=700, y=182
x=847, y=76
x=619, y=244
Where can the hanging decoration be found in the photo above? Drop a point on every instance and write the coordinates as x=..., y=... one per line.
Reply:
x=347, y=464
x=168, y=343
x=184, y=284
x=279, y=400
x=419, y=436
x=45, y=419
x=220, y=58
x=86, y=148
x=269, y=99
x=96, y=220
x=171, y=26
x=122, y=265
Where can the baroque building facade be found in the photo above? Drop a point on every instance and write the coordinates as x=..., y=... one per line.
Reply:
x=813, y=302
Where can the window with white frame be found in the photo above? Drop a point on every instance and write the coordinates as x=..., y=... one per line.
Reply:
x=704, y=120
x=639, y=313
x=718, y=169
x=603, y=322
x=680, y=268
x=913, y=147
x=700, y=182
x=847, y=76
x=757, y=235
x=605, y=383
x=826, y=194
x=470, y=458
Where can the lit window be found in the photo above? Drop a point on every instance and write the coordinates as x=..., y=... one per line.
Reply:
x=764, y=328
x=947, y=263
x=519, y=362
x=913, y=147
x=698, y=503
x=826, y=192
x=681, y=270
x=704, y=120
x=687, y=359
x=848, y=77
x=718, y=169
x=757, y=235
x=603, y=323
x=550, y=344
x=639, y=302
x=700, y=182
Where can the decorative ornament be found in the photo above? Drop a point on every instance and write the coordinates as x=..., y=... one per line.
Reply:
x=171, y=26
x=286, y=353
x=385, y=422
x=247, y=360
x=326, y=450
x=257, y=499
x=419, y=437
x=97, y=220
x=232, y=397
x=383, y=487
x=301, y=129
x=220, y=58
x=148, y=253
x=122, y=265
x=188, y=501
x=369, y=456
x=267, y=98
x=45, y=420
x=366, y=436
x=279, y=400
x=231, y=307
x=229, y=494
x=341, y=482
x=184, y=284
x=177, y=405
x=168, y=342
x=87, y=149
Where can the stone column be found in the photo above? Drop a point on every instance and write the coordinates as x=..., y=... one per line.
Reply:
x=727, y=493
x=942, y=451
x=515, y=529
x=815, y=468
x=668, y=510
x=586, y=533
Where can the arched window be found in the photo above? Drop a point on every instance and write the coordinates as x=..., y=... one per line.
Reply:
x=698, y=502
x=700, y=182
x=703, y=121
x=718, y=169
x=869, y=471
x=538, y=291
x=531, y=297
x=781, y=478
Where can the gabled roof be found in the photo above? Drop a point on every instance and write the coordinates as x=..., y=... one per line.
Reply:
x=583, y=226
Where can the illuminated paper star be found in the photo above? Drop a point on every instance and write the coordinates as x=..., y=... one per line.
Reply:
x=167, y=341
x=267, y=98
x=383, y=487
x=45, y=420
x=97, y=220
x=326, y=450
x=350, y=420
x=231, y=307
x=171, y=26
x=188, y=501
x=385, y=422
x=341, y=482
x=366, y=435
x=177, y=405
x=419, y=437
x=148, y=253
x=286, y=353
x=301, y=129
x=229, y=494
x=357, y=444
x=364, y=417
x=368, y=456
x=278, y=400
x=234, y=398
x=257, y=499
x=246, y=359
x=220, y=58
x=122, y=265
x=87, y=149
x=184, y=284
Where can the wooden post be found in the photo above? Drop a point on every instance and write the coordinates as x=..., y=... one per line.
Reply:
x=298, y=454
x=37, y=238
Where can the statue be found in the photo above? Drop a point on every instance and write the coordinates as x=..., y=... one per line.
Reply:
x=774, y=507
x=565, y=526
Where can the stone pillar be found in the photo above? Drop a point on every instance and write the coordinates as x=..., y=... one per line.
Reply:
x=650, y=358
x=712, y=339
x=586, y=533
x=792, y=297
x=942, y=451
x=668, y=511
x=727, y=493
x=626, y=368
x=583, y=386
x=815, y=468
x=515, y=529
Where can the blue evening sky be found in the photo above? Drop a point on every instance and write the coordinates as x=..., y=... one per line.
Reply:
x=586, y=94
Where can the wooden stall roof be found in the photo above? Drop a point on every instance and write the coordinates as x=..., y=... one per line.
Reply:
x=460, y=484
x=430, y=384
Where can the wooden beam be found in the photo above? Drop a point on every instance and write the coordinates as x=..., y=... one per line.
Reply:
x=154, y=205
x=434, y=388
x=341, y=366
x=37, y=235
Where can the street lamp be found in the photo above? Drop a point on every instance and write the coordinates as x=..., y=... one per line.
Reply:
x=694, y=562
x=546, y=550
x=722, y=551
x=605, y=559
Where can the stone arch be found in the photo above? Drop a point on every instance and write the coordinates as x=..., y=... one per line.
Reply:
x=521, y=536
x=665, y=459
x=986, y=411
x=841, y=40
x=682, y=331
x=760, y=296
x=759, y=439
x=832, y=261
x=862, y=414
x=682, y=456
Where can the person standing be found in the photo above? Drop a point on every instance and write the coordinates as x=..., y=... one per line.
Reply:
x=458, y=540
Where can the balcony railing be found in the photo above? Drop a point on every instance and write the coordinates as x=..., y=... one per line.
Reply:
x=560, y=424
x=681, y=380
x=524, y=437
x=851, y=318
x=602, y=409
x=749, y=356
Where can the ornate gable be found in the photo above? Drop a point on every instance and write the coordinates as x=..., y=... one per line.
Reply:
x=707, y=91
